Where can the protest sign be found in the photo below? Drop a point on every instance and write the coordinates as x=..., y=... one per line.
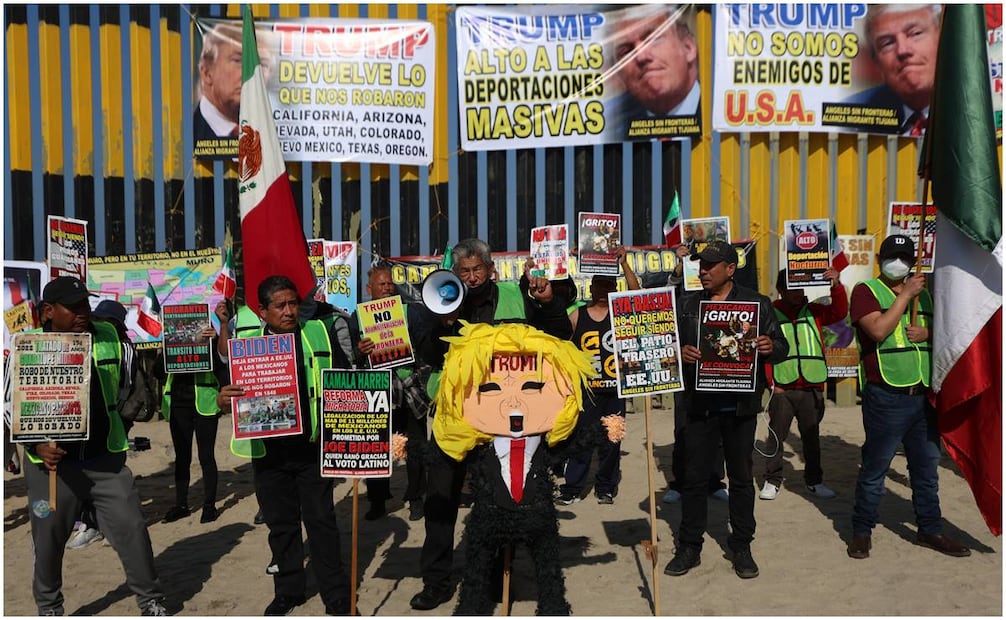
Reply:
x=599, y=235
x=356, y=423
x=185, y=349
x=23, y=282
x=67, y=247
x=51, y=384
x=904, y=218
x=696, y=233
x=550, y=251
x=646, y=342
x=383, y=322
x=266, y=367
x=545, y=75
x=728, y=332
x=340, y=274
x=316, y=258
x=340, y=89
x=180, y=277
x=808, y=252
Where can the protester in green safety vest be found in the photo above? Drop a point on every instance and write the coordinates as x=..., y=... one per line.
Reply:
x=486, y=301
x=892, y=315
x=288, y=484
x=798, y=381
x=93, y=469
x=190, y=407
x=408, y=415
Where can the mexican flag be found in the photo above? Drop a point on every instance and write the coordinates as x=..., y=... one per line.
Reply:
x=961, y=160
x=672, y=225
x=149, y=318
x=225, y=283
x=273, y=238
x=839, y=260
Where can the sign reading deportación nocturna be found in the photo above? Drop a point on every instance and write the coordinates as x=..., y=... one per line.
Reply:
x=540, y=76
x=341, y=89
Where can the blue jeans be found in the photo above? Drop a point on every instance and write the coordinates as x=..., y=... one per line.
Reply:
x=890, y=418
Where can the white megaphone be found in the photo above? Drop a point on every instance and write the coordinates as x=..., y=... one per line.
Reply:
x=443, y=292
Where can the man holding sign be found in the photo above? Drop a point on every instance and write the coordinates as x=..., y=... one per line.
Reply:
x=288, y=481
x=92, y=469
x=714, y=415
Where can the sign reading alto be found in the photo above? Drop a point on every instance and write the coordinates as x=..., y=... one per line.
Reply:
x=540, y=76
x=340, y=89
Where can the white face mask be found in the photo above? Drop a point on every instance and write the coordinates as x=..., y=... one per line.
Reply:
x=895, y=268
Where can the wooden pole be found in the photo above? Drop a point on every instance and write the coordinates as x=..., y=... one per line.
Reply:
x=650, y=468
x=506, y=580
x=52, y=483
x=352, y=562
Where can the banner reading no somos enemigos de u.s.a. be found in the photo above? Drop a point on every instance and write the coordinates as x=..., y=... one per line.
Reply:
x=340, y=89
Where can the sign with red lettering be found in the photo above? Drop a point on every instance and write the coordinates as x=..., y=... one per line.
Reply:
x=356, y=423
x=185, y=348
x=728, y=334
x=599, y=236
x=383, y=322
x=266, y=367
x=646, y=343
x=50, y=377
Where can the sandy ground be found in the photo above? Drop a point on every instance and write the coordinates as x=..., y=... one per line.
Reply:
x=218, y=569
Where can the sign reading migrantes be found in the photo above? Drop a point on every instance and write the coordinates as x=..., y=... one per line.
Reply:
x=50, y=380
x=185, y=348
x=539, y=76
x=340, y=89
x=356, y=423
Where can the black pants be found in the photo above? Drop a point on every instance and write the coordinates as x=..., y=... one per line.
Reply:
x=415, y=459
x=443, y=494
x=704, y=434
x=291, y=491
x=807, y=406
x=681, y=449
x=184, y=422
x=609, y=454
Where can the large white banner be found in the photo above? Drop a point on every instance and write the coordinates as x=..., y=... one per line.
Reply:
x=340, y=89
x=831, y=67
x=539, y=76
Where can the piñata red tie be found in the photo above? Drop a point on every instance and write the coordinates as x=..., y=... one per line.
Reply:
x=517, y=469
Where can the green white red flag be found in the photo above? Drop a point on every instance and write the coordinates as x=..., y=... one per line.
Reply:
x=226, y=284
x=272, y=234
x=961, y=160
x=149, y=318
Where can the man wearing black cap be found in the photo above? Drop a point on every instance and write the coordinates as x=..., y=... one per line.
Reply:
x=894, y=367
x=93, y=469
x=712, y=416
x=592, y=333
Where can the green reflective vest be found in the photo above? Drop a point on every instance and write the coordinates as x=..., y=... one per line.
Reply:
x=902, y=363
x=509, y=307
x=247, y=323
x=206, y=387
x=106, y=354
x=317, y=356
x=806, y=356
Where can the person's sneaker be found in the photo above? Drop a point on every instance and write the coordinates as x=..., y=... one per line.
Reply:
x=153, y=608
x=176, y=513
x=82, y=538
x=769, y=491
x=820, y=491
x=52, y=611
x=565, y=499
x=721, y=494
x=259, y=518
x=376, y=511
x=685, y=559
x=672, y=496
x=416, y=510
x=744, y=564
x=605, y=498
x=209, y=515
x=283, y=605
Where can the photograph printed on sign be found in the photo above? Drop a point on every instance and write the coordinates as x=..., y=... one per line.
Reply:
x=727, y=340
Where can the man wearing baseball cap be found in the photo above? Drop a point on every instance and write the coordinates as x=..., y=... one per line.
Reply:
x=894, y=370
x=93, y=469
x=715, y=416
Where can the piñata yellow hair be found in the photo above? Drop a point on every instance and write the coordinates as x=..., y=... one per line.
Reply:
x=467, y=365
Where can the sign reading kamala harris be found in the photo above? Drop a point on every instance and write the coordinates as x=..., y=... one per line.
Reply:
x=539, y=76
x=340, y=89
